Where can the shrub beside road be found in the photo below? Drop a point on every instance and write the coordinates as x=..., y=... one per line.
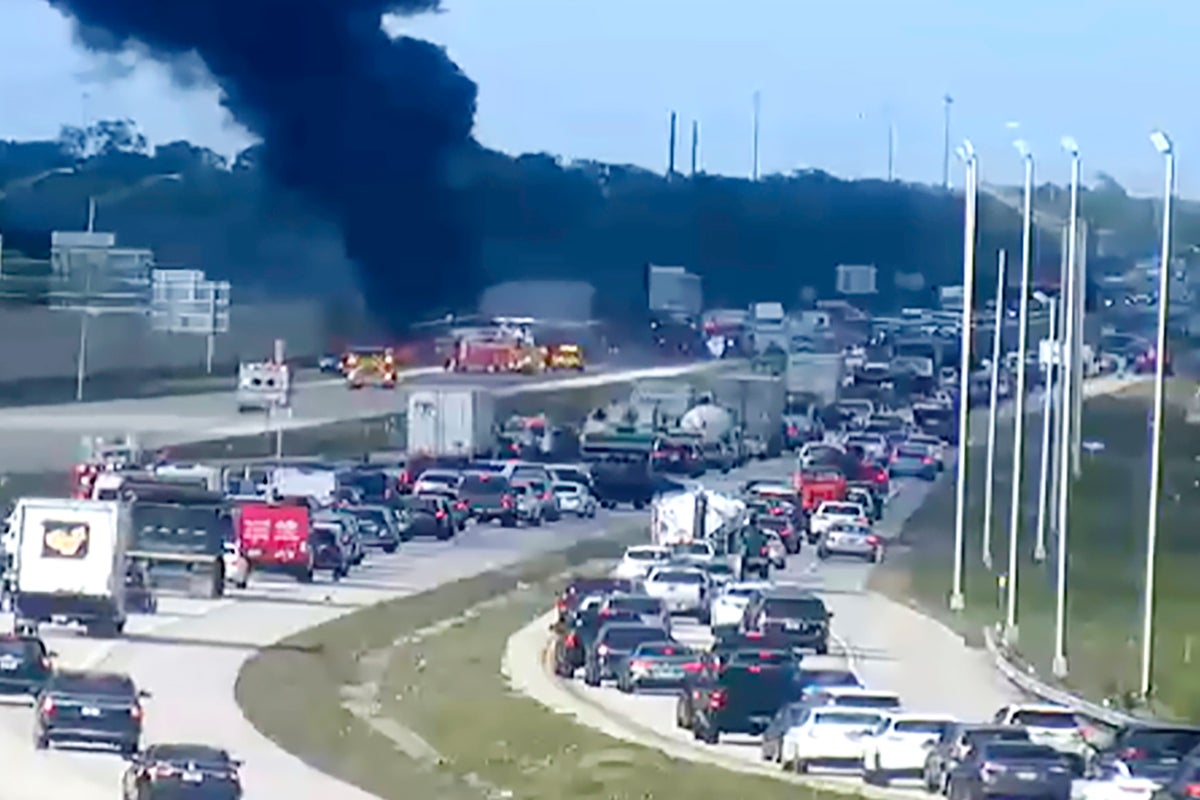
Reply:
x=1106, y=564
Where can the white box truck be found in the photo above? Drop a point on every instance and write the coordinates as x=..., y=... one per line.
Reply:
x=71, y=562
x=451, y=423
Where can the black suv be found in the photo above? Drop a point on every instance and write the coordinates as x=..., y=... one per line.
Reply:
x=739, y=697
x=94, y=707
x=182, y=770
x=24, y=664
x=613, y=644
x=789, y=619
x=1153, y=751
x=575, y=634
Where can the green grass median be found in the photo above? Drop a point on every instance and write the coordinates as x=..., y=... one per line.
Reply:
x=1106, y=557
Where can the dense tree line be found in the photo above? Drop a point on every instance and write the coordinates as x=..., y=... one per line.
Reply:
x=535, y=217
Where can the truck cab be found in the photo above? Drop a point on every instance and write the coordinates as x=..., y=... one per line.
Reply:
x=263, y=385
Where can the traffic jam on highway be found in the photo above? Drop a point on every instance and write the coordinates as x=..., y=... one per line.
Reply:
x=708, y=609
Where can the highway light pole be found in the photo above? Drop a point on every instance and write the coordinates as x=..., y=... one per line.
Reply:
x=124, y=192
x=989, y=490
x=970, y=197
x=1045, y=473
x=1069, y=358
x=1163, y=144
x=1018, y=448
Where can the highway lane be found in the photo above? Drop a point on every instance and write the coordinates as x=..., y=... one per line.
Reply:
x=188, y=656
x=891, y=646
x=35, y=438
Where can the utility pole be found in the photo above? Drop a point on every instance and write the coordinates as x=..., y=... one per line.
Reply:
x=891, y=173
x=671, y=149
x=757, y=114
x=947, y=101
x=695, y=144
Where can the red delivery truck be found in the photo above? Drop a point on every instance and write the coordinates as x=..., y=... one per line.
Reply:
x=273, y=537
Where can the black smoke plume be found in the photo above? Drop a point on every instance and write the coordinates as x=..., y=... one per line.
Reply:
x=366, y=126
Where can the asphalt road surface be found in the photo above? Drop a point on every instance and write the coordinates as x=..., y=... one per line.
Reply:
x=36, y=438
x=188, y=656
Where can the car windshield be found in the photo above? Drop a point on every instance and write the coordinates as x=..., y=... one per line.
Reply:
x=912, y=452
x=718, y=568
x=1012, y=734
x=427, y=503
x=881, y=701
x=483, y=484
x=189, y=753
x=796, y=608
x=447, y=478
x=1162, y=741
x=645, y=554
x=1010, y=751
x=742, y=592
x=828, y=677
x=96, y=684
x=846, y=718
x=922, y=726
x=637, y=604
x=566, y=488
x=21, y=648
x=693, y=549
x=1045, y=719
x=569, y=475
x=629, y=638
x=662, y=649
x=678, y=576
x=841, y=509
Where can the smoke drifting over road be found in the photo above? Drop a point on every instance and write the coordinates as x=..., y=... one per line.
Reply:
x=366, y=126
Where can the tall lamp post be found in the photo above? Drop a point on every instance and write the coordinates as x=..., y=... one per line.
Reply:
x=1163, y=144
x=989, y=489
x=124, y=192
x=967, y=154
x=1018, y=449
x=1045, y=475
x=1067, y=370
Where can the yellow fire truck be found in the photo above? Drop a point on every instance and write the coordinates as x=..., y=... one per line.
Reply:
x=375, y=366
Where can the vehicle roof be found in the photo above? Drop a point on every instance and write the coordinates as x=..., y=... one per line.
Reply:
x=909, y=716
x=1041, y=708
x=857, y=691
x=642, y=548
x=875, y=712
x=187, y=752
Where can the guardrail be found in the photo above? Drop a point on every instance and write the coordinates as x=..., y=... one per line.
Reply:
x=1024, y=679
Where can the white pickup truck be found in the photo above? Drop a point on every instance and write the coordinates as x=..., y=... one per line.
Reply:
x=683, y=590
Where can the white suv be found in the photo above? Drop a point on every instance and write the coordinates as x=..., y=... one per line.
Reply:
x=827, y=736
x=729, y=606
x=899, y=747
x=832, y=511
x=639, y=560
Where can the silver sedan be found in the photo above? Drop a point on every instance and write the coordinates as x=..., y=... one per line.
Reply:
x=848, y=539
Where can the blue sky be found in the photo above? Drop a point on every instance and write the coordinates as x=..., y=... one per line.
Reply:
x=598, y=78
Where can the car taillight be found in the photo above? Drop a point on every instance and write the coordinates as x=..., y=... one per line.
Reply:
x=1133, y=753
x=45, y=662
x=136, y=713
x=603, y=650
x=872, y=539
x=762, y=551
x=881, y=477
x=48, y=706
x=506, y=501
x=606, y=612
x=862, y=521
x=755, y=669
x=927, y=460
x=792, y=430
x=693, y=667
x=993, y=768
x=441, y=514
x=162, y=772
x=548, y=496
x=639, y=664
x=461, y=505
x=561, y=603
x=572, y=640
x=754, y=634
x=1192, y=790
x=716, y=700
x=776, y=511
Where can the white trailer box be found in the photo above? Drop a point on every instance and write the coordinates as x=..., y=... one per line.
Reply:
x=673, y=516
x=71, y=561
x=317, y=483
x=451, y=422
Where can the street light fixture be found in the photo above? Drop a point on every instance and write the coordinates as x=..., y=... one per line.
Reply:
x=124, y=192
x=1162, y=143
x=966, y=152
x=1068, y=359
x=1014, y=507
x=33, y=180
